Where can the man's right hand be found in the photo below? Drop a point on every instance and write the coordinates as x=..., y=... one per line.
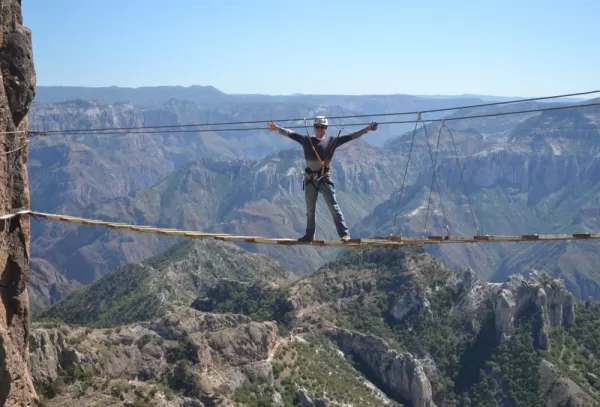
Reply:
x=272, y=126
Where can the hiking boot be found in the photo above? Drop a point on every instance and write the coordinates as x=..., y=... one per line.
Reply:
x=306, y=238
x=345, y=238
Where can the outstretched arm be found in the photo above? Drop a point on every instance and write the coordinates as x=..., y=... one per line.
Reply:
x=356, y=134
x=285, y=132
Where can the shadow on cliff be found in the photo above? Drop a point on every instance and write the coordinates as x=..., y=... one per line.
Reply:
x=371, y=376
x=473, y=359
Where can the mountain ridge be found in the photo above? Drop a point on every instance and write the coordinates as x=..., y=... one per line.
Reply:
x=400, y=322
x=141, y=291
x=257, y=199
x=259, y=193
x=541, y=180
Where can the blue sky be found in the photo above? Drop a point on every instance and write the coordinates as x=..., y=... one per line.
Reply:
x=499, y=47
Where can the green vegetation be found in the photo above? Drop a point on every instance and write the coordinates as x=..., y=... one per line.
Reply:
x=257, y=300
x=68, y=376
x=438, y=334
x=471, y=367
x=184, y=379
x=255, y=395
x=466, y=359
x=451, y=330
x=574, y=349
x=141, y=292
x=318, y=367
x=511, y=373
x=121, y=296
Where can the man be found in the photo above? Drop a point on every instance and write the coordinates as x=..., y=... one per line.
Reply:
x=318, y=152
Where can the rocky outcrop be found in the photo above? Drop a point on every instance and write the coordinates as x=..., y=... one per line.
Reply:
x=88, y=114
x=181, y=321
x=524, y=170
x=49, y=355
x=548, y=297
x=473, y=293
x=47, y=285
x=17, y=90
x=557, y=389
x=413, y=301
x=400, y=375
x=193, y=351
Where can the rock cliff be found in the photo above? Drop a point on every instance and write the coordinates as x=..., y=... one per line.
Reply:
x=194, y=352
x=192, y=358
x=547, y=296
x=401, y=375
x=421, y=332
x=17, y=90
x=375, y=327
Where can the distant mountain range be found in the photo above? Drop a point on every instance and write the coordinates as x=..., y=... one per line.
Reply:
x=160, y=94
x=491, y=98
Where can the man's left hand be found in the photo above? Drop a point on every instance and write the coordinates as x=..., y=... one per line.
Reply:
x=372, y=126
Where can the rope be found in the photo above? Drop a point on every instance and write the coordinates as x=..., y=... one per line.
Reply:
x=462, y=177
x=15, y=150
x=120, y=130
x=395, y=240
x=333, y=143
x=405, y=172
x=12, y=214
x=434, y=177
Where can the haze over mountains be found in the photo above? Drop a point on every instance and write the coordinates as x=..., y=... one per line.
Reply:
x=524, y=173
x=159, y=94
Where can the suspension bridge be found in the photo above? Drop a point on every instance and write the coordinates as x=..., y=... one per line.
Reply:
x=391, y=239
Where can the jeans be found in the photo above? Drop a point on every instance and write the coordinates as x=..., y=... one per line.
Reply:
x=311, y=193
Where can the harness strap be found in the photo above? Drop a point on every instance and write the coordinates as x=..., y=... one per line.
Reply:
x=324, y=163
x=315, y=150
x=330, y=151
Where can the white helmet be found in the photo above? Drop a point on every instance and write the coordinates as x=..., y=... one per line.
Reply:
x=321, y=120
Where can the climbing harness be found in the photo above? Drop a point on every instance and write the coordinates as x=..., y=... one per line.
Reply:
x=315, y=177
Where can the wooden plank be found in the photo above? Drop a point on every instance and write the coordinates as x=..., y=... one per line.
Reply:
x=118, y=226
x=238, y=237
x=391, y=240
x=198, y=235
x=142, y=229
x=481, y=238
x=168, y=232
x=266, y=240
x=291, y=242
x=546, y=237
x=269, y=240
